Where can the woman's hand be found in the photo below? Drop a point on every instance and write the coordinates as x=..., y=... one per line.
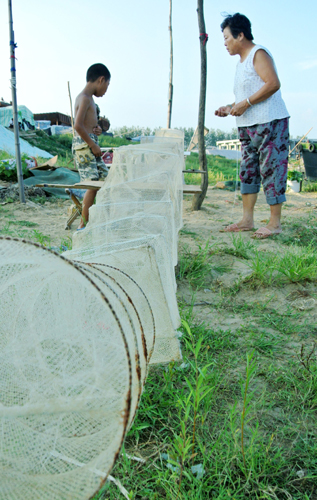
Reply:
x=223, y=111
x=239, y=108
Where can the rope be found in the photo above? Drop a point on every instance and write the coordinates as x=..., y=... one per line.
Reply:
x=205, y=37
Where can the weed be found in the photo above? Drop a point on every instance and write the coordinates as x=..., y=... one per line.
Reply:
x=245, y=446
x=303, y=232
x=309, y=187
x=251, y=365
x=195, y=266
x=241, y=247
x=264, y=342
x=25, y=223
x=40, y=199
x=40, y=238
x=186, y=232
x=15, y=233
x=284, y=323
x=264, y=269
x=66, y=244
x=212, y=205
x=299, y=264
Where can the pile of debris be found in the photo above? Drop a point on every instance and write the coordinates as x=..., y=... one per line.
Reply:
x=11, y=193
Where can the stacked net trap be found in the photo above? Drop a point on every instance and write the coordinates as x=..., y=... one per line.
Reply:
x=78, y=330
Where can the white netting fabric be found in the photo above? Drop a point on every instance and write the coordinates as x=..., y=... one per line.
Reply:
x=78, y=331
x=69, y=375
x=140, y=208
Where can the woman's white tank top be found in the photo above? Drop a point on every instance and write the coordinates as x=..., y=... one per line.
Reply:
x=246, y=83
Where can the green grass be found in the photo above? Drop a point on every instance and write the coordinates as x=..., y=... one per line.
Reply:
x=194, y=266
x=186, y=232
x=219, y=169
x=302, y=232
x=61, y=145
x=309, y=187
x=106, y=141
x=241, y=247
x=296, y=265
x=23, y=223
x=233, y=410
x=54, y=144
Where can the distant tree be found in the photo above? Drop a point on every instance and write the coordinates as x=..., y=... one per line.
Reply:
x=188, y=133
x=215, y=135
x=133, y=131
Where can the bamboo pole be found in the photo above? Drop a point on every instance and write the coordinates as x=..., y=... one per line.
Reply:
x=71, y=108
x=199, y=198
x=15, y=106
x=300, y=140
x=170, y=86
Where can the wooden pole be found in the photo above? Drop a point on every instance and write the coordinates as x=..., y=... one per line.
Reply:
x=170, y=86
x=199, y=198
x=15, y=106
x=300, y=140
x=71, y=108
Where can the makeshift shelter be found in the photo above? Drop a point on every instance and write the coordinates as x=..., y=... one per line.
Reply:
x=55, y=118
x=25, y=116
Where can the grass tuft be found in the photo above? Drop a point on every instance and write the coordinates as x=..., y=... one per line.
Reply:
x=195, y=267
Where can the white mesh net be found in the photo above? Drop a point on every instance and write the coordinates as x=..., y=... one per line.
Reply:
x=60, y=339
x=78, y=331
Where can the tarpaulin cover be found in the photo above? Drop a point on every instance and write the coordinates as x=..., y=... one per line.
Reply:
x=59, y=176
x=6, y=114
x=7, y=143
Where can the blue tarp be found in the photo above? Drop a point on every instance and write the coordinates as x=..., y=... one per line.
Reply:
x=7, y=143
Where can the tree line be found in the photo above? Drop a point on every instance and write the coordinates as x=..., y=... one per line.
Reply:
x=211, y=138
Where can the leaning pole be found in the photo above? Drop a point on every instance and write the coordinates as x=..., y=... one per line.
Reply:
x=14, y=106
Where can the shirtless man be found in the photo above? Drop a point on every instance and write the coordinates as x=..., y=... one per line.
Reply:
x=86, y=151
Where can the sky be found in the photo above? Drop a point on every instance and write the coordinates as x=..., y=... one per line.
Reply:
x=59, y=40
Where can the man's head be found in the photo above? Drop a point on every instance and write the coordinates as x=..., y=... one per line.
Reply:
x=99, y=75
x=236, y=29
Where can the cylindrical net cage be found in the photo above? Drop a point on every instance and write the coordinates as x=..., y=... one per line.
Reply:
x=79, y=330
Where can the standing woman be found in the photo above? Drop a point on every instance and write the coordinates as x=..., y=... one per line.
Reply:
x=262, y=120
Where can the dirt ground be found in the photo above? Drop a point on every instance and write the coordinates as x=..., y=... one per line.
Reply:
x=220, y=208
x=46, y=222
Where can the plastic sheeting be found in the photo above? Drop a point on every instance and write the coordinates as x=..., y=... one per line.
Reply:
x=59, y=176
x=7, y=143
x=6, y=114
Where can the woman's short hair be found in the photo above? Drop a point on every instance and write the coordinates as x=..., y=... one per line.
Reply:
x=238, y=23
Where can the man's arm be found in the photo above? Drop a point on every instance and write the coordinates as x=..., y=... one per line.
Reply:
x=264, y=67
x=80, y=128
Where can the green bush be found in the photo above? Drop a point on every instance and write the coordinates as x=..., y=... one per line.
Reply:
x=294, y=175
x=11, y=175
